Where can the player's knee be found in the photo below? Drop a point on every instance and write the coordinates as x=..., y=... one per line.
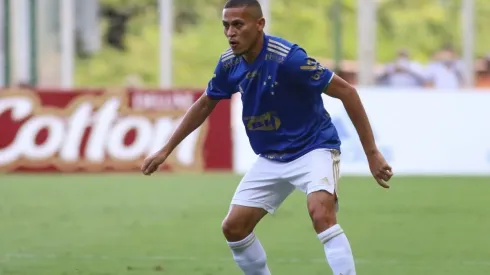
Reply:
x=241, y=222
x=321, y=207
x=235, y=229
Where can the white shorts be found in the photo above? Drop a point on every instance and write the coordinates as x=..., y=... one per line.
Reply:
x=268, y=183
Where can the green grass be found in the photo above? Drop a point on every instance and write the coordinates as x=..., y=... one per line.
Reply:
x=170, y=224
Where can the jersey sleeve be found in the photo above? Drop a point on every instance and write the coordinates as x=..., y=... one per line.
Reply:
x=306, y=71
x=219, y=86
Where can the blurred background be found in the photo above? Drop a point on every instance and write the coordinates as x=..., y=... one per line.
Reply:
x=436, y=43
x=91, y=87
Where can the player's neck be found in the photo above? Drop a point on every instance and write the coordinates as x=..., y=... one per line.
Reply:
x=255, y=51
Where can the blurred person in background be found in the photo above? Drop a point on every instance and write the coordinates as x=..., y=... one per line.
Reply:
x=403, y=72
x=446, y=71
x=483, y=72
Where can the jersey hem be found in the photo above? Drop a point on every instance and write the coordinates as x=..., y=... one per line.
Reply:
x=304, y=153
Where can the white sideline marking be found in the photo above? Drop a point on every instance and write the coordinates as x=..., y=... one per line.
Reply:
x=28, y=256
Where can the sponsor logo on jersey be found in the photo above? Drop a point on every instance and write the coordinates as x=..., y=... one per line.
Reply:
x=266, y=122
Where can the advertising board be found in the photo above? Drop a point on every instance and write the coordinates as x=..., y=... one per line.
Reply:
x=106, y=130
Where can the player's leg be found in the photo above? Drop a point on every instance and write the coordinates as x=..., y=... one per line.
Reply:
x=318, y=178
x=321, y=206
x=260, y=192
x=246, y=248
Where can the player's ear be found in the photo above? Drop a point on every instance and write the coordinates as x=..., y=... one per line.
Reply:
x=261, y=24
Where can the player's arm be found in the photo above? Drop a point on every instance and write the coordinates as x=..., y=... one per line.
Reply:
x=340, y=89
x=194, y=117
x=218, y=88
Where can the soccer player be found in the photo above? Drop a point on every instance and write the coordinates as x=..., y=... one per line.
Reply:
x=288, y=127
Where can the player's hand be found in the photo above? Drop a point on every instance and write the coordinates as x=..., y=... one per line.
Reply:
x=152, y=162
x=380, y=169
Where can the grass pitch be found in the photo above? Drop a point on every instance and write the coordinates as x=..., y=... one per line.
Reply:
x=170, y=224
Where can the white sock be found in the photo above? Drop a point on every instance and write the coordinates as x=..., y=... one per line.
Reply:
x=338, y=251
x=250, y=256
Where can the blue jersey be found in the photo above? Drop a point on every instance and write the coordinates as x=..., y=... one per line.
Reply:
x=281, y=90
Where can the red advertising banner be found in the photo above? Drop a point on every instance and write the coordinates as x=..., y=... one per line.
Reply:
x=106, y=130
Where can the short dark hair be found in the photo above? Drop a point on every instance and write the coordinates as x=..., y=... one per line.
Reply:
x=244, y=3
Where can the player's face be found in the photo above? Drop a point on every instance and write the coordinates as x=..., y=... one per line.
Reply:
x=242, y=28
